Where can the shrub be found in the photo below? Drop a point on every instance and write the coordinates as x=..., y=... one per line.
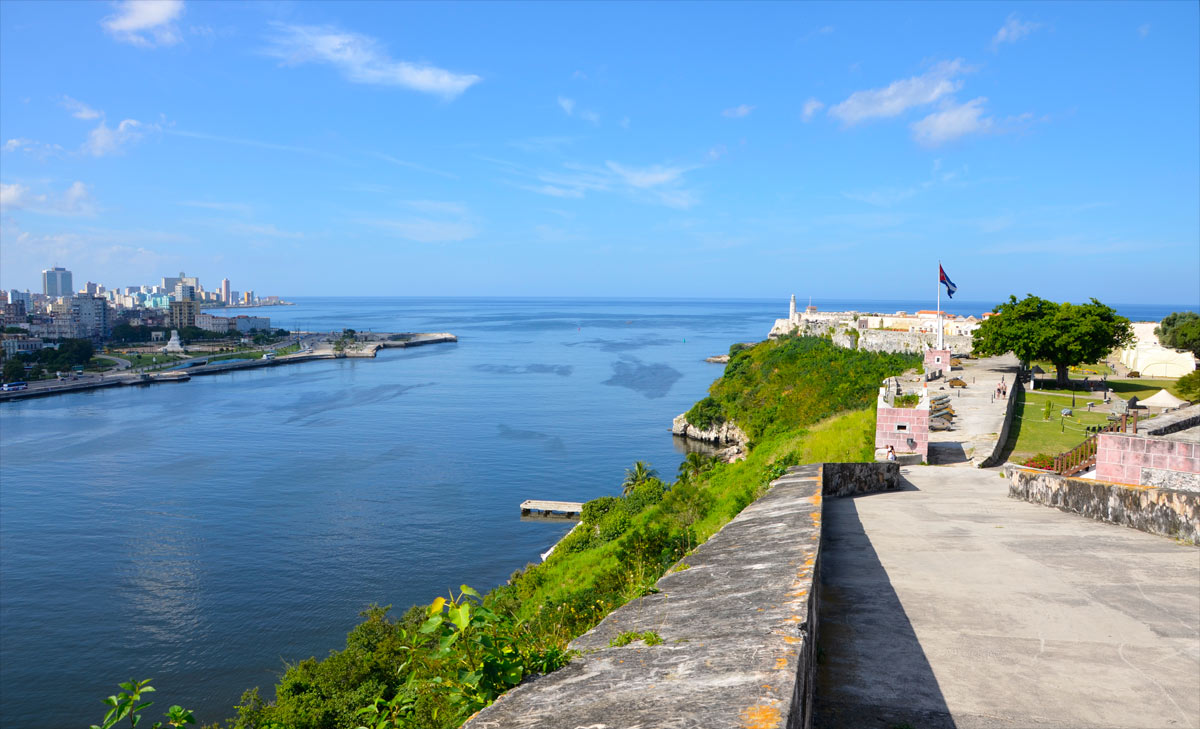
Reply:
x=613, y=525
x=645, y=494
x=1189, y=386
x=578, y=540
x=705, y=414
x=907, y=401
x=594, y=510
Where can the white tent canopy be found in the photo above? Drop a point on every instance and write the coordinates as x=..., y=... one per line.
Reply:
x=1162, y=399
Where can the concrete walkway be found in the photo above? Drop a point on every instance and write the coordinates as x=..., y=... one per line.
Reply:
x=950, y=605
x=978, y=414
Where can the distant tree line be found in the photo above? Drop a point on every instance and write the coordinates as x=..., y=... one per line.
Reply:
x=1180, y=330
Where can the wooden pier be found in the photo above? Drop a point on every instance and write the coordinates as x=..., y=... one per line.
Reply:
x=570, y=509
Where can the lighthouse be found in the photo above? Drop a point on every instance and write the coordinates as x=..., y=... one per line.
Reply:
x=792, y=309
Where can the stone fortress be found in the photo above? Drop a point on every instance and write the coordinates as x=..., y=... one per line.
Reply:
x=876, y=332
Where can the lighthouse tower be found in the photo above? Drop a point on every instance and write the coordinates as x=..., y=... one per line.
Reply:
x=792, y=309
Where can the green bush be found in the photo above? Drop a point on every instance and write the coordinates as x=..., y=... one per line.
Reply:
x=705, y=414
x=594, y=510
x=1189, y=386
x=645, y=495
x=613, y=525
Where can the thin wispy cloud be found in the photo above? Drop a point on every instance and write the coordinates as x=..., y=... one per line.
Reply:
x=428, y=221
x=811, y=107
x=737, y=112
x=1013, y=30
x=567, y=105
x=657, y=184
x=252, y=143
x=224, y=207
x=362, y=59
x=952, y=122
x=589, y=116
x=900, y=96
x=417, y=167
x=267, y=230
x=145, y=23
x=569, y=108
x=80, y=110
x=33, y=147
x=1144, y=30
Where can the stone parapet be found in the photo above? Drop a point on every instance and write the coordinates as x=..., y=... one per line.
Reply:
x=1166, y=512
x=737, y=618
x=1148, y=461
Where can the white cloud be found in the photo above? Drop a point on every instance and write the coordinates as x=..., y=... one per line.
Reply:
x=1013, y=30
x=885, y=197
x=225, y=207
x=362, y=59
x=1144, y=30
x=624, y=122
x=30, y=146
x=952, y=122
x=553, y=191
x=568, y=105
x=811, y=107
x=74, y=201
x=659, y=184
x=652, y=176
x=145, y=23
x=899, y=96
x=13, y=196
x=104, y=141
x=591, y=116
x=436, y=207
x=737, y=112
x=80, y=110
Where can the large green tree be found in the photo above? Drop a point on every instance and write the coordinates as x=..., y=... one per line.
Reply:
x=1066, y=334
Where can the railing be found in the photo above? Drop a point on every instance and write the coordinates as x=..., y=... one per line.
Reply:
x=1083, y=456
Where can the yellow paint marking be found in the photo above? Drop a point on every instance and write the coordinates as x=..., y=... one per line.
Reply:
x=780, y=664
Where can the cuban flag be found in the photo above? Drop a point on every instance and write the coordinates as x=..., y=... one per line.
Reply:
x=943, y=278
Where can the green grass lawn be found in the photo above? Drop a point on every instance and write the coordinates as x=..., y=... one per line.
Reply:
x=1032, y=434
x=1125, y=389
x=137, y=359
x=248, y=354
x=1078, y=372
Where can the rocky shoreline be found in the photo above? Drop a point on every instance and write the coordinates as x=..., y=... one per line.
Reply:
x=727, y=435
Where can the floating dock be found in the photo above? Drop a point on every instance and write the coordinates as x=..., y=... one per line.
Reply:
x=570, y=509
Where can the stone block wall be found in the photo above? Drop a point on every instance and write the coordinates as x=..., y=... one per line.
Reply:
x=937, y=360
x=881, y=340
x=1148, y=461
x=1166, y=512
x=738, y=628
x=915, y=424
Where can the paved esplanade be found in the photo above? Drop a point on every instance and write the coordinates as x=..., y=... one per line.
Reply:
x=950, y=605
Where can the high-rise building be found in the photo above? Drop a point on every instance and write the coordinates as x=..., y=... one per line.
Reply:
x=57, y=282
x=248, y=298
x=21, y=297
x=225, y=291
x=185, y=292
x=183, y=314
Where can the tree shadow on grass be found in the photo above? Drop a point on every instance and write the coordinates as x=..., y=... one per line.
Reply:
x=872, y=672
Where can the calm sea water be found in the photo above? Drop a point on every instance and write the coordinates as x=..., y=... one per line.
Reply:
x=205, y=534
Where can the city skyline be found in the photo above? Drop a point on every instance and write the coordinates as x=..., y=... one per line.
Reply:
x=747, y=151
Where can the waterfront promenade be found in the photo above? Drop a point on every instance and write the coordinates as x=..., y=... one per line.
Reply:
x=312, y=347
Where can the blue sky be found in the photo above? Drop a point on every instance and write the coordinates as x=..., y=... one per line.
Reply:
x=715, y=150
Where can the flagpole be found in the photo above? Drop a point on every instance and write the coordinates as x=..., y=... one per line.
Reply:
x=939, y=306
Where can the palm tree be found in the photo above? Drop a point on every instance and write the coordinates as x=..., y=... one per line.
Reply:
x=694, y=465
x=639, y=474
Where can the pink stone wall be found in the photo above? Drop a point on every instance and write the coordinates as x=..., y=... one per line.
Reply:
x=1120, y=457
x=932, y=366
x=918, y=429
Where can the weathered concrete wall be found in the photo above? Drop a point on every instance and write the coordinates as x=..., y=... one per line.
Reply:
x=1167, y=512
x=937, y=361
x=1181, y=419
x=1010, y=408
x=1148, y=461
x=738, y=627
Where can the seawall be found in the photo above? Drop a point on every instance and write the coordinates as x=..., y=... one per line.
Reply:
x=738, y=620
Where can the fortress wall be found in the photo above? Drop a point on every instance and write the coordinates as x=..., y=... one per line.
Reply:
x=882, y=340
x=1161, y=511
x=738, y=620
x=1147, y=461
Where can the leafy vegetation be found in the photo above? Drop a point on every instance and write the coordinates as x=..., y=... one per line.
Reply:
x=1065, y=334
x=907, y=401
x=705, y=414
x=1180, y=330
x=1188, y=386
x=128, y=704
x=792, y=382
x=649, y=638
x=436, y=665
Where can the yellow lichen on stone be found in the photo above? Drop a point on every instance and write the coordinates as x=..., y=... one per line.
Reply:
x=761, y=717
